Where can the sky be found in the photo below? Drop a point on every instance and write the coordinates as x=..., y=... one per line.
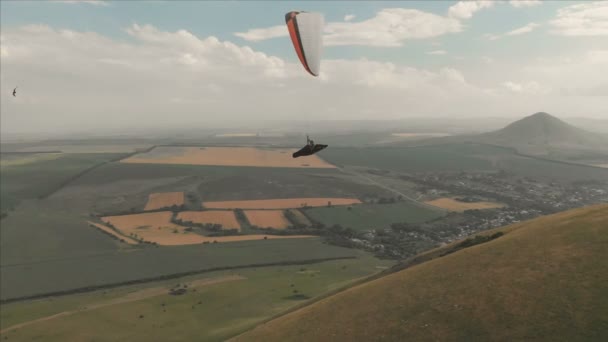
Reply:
x=107, y=64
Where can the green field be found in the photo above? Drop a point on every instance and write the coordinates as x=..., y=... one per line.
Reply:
x=544, y=279
x=118, y=186
x=373, y=216
x=225, y=309
x=460, y=157
x=27, y=176
x=416, y=159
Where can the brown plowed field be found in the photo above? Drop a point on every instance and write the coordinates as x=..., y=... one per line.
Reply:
x=285, y=203
x=267, y=218
x=223, y=217
x=227, y=156
x=164, y=200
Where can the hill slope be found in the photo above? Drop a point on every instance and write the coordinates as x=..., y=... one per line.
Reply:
x=545, y=279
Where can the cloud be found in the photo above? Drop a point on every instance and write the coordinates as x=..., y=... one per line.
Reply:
x=437, y=52
x=164, y=79
x=519, y=31
x=530, y=87
x=255, y=35
x=88, y=2
x=525, y=3
x=349, y=17
x=525, y=29
x=390, y=27
x=585, y=19
x=466, y=9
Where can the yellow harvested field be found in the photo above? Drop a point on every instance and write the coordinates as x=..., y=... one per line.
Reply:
x=455, y=205
x=164, y=200
x=285, y=203
x=154, y=227
x=267, y=218
x=227, y=156
x=157, y=227
x=223, y=217
x=113, y=232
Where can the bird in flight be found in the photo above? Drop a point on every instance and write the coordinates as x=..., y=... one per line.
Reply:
x=15, y=92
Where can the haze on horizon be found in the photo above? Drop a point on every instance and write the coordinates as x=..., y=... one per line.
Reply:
x=113, y=65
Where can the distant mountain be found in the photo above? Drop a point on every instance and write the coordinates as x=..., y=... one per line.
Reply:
x=542, y=131
x=544, y=279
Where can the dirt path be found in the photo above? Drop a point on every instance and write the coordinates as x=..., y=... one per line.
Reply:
x=130, y=297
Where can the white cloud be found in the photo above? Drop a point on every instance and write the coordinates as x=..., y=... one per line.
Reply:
x=466, y=9
x=89, y=2
x=525, y=29
x=530, y=87
x=437, y=52
x=389, y=28
x=519, y=31
x=525, y=3
x=585, y=19
x=160, y=78
x=255, y=35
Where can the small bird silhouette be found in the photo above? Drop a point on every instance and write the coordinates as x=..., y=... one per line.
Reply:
x=15, y=92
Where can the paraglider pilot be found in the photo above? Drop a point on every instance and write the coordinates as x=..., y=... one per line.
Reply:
x=310, y=148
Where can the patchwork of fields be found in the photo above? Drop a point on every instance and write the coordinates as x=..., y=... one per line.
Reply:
x=227, y=156
x=284, y=203
x=154, y=227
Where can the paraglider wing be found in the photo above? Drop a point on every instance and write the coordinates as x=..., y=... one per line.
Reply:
x=305, y=30
x=308, y=150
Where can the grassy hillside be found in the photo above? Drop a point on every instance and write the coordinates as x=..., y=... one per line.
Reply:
x=545, y=279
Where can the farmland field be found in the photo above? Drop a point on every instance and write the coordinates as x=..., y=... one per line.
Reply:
x=460, y=157
x=299, y=217
x=267, y=218
x=111, y=231
x=455, y=205
x=373, y=216
x=227, y=156
x=286, y=203
x=164, y=200
x=32, y=176
x=223, y=305
x=223, y=217
x=154, y=227
x=119, y=187
x=30, y=277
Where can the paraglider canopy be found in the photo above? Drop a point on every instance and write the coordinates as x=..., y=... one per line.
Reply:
x=305, y=30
